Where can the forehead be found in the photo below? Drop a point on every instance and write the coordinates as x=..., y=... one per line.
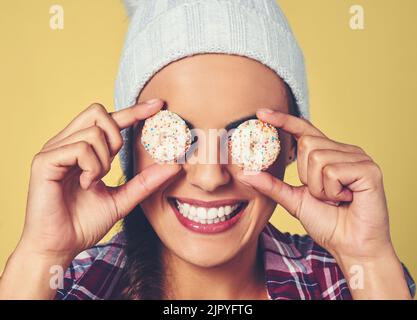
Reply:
x=211, y=90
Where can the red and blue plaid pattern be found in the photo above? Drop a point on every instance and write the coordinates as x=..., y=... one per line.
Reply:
x=295, y=268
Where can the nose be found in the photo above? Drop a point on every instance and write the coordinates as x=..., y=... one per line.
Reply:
x=207, y=177
x=203, y=173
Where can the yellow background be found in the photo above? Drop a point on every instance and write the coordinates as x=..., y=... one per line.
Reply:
x=362, y=85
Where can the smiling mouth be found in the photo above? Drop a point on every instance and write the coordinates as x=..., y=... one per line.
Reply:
x=207, y=217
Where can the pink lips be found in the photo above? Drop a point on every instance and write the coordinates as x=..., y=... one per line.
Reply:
x=208, y=228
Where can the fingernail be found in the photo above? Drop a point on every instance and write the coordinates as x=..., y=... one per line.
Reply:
x=152, y=101
x=333, y=203
x=266, y=110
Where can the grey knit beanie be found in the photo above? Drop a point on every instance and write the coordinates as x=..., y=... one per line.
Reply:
x=162, y=31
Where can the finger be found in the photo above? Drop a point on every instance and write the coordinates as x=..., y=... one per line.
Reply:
x=296, y=126
x=284, y=194
x=96, y=114
x=341, y=180
x=317, y=160
x=127, y=117
x=307, y=144
x=95, y=136
x=130, y=194
x=55, y=163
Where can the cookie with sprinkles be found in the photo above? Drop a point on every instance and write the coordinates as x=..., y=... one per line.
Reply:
x=166, y=136
x=254, y=145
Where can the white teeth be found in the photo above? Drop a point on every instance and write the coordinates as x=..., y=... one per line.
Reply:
x=220, y=212
x=205, y=215
x=193, y=211
x=201, y=213
x=227, y=210
x=212, y=213
x=186, y=208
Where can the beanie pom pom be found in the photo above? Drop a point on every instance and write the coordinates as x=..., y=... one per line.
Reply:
x=130, y=6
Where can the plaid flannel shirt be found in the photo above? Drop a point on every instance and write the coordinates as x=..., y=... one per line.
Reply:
x=295, y=268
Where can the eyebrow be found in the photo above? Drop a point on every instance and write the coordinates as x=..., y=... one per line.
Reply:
x=231, y=125
x=236, y=123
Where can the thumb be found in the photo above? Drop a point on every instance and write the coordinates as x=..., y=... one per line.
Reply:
x=287, y=196
x=127, y=196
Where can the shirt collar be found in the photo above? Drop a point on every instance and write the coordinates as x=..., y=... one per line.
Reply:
x=275, y=242
x=272, y=243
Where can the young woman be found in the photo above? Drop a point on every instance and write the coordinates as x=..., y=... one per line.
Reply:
x=347, y=253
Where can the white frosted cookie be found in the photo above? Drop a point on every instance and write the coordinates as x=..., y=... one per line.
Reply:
x=166, y=136
x=254, y=145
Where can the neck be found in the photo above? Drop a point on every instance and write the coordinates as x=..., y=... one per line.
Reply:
x=240, y=278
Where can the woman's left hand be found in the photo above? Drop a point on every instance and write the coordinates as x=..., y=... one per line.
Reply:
x=342, y=206
x=331, y=172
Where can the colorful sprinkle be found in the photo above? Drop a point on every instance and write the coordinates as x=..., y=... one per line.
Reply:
x=254, y=145
x=166, y=136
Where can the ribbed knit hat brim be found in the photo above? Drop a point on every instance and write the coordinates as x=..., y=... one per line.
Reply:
x=163, y=31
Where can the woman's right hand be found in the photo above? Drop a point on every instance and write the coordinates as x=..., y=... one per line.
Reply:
x=69, y=208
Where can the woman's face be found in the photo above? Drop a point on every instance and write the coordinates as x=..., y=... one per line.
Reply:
x=211, y=91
